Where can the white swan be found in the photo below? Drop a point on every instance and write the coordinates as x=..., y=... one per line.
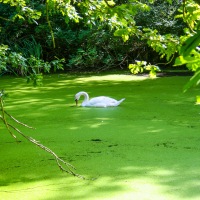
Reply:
x=101, y=101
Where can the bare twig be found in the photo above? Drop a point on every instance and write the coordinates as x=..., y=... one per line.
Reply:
x=167, y=62
x=18, y=121
x=58, y=159
x=63, y=165
x=5, y=19
x=3, y=118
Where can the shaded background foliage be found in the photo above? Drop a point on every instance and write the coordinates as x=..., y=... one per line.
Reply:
x=162, y=18
x=87, y=48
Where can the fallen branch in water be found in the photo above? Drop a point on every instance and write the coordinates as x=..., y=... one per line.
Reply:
x=64, y=166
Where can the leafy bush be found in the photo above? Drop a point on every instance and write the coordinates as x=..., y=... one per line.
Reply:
x=100, y=51
x=141, y=66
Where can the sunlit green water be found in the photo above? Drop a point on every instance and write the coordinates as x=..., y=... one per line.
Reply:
x=147, y=148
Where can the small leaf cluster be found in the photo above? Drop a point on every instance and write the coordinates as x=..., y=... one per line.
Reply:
x=141, y=66
x=164, y=45
x=30, y=67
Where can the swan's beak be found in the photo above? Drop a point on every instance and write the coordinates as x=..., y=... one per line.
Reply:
x=76, y=102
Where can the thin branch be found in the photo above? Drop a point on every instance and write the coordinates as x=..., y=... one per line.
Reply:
x=3, y=118
x=18, y=121
x=58, y=159
x=49, y=24
x=5, y=19
x=167, y=62
x=64, y=166
x=123, y=60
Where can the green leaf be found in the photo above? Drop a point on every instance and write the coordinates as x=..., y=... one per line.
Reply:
x=193, y=81
x=125, y=37
x=198, y=100
x=124, y=33
x=190, y=44
x=120, y=32
x=152, y=74
x=135, y=68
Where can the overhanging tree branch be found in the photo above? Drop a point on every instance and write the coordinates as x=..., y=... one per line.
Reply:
x=3, y=18
x=3, y=118
x=63, y=165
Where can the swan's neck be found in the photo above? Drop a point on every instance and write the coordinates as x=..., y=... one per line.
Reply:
x=86, y=96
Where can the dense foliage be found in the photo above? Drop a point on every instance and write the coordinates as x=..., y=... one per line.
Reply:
x=80, y=45
x=37, y=36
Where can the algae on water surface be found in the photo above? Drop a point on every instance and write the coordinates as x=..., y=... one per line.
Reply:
x=147, y=148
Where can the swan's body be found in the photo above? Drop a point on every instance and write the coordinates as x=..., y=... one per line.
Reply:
x=101, y=101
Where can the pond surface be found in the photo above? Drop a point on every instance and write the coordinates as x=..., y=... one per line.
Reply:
x=147, y=148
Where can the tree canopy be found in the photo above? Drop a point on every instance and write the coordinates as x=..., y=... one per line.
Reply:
x=38, y=36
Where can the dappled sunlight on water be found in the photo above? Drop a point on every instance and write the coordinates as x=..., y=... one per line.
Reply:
x=112, y=78
x=133, y=182
x=147, y=148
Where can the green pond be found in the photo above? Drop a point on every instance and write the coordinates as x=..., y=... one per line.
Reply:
x=148, y=148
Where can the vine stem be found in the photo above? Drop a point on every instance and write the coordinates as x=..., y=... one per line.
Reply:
x=49, y=24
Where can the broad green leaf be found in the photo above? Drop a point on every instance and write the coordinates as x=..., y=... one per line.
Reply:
x=135, y=69
x=19, y=16
x=125, y=37
x=198, y=100
x=111, y=3
x=124, y=33
x=191, y=59
x=190, y=44
x=121, y=32
x=193, y=81
x=152, y=74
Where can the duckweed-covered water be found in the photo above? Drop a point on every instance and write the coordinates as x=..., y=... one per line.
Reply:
x=148, y=148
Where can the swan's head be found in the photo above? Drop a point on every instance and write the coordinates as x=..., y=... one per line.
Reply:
x=76, y=102
x=77, y=97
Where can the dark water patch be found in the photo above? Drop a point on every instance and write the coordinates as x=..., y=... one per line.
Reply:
x=166, y=145
x=94, y=152
x=112, y=145
x=96, y=140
